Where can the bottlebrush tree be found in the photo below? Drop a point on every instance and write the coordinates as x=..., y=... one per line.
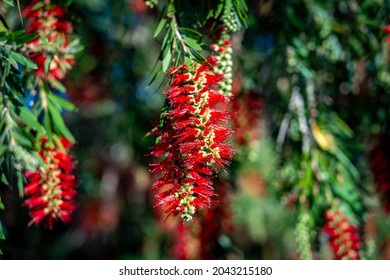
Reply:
x=270, y=132
x=35, y=141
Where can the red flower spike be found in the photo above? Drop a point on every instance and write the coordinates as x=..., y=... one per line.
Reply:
x=49, y=21
x=191, y=141
x=50, y=192
x=343, y=236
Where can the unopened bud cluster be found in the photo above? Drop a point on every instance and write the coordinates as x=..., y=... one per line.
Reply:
x=303, y=236
x=230, y=21
x=224, y=53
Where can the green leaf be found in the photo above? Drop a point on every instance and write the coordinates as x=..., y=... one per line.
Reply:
x=47, y=125
x=171, y=9
x=159, y=27
x=218, y=10
x=346, y=162
x=38, y=5
x=59, y=125
x=3, y=25
x=190, y=31
x=29, y=119
x=166, y=61
x=2, y=207
x=58, y=85
x=10, y=2
x=22, y=140
x=193, y=44
x=62, y=103
x=23, y=60
x=197, y=56
x=46, y=65
x=228, y=6
x=20, y=182
x=21, y=38
x=188, y=62
x=1, y=232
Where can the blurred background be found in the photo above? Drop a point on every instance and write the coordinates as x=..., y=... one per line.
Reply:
x=338, y=44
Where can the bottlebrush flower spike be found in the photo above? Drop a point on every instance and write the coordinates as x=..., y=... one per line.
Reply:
x=50, y=22
x=191, y=141
x=343, y=236
x=224, y=55
x=50, y=192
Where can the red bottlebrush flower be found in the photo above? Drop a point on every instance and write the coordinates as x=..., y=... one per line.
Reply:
x=50, y=191
x=190, y=142
x=49, y=21
x=343, y=236
x=380, y=167
x=224, y=54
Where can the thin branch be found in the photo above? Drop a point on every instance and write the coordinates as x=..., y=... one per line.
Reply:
x=299, y=105
x=178, y=35
x=283, y=130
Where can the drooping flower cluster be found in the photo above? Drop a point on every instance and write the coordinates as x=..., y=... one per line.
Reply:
x=343, y=236
x=224, y=53
x=191, y=141
x=50, y=47
x=380, y=166
x=50, y=191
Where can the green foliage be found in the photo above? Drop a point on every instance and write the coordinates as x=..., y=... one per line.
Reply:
x=50, y=106
x=261, y=217
x=17, y=123
x=20, y=127
x=181, y=33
